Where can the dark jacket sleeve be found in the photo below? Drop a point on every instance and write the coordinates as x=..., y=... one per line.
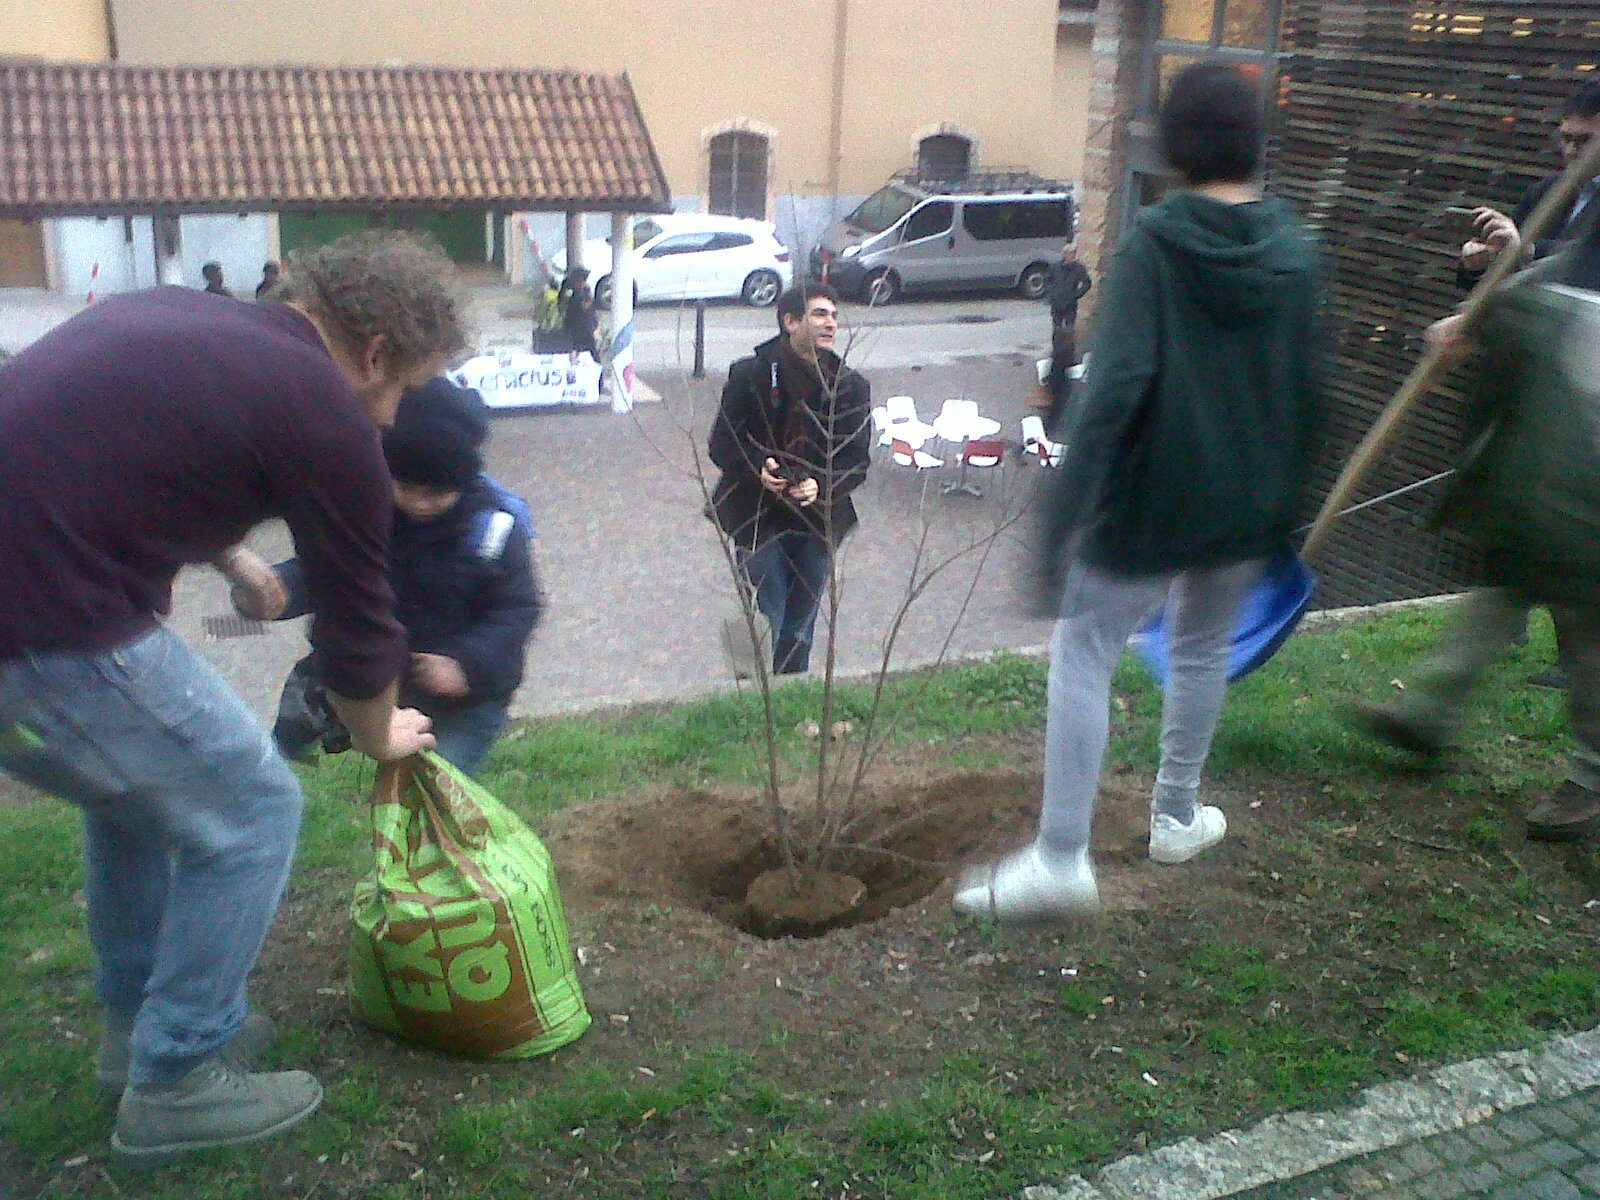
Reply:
x=293, y=580
x=850, y=437
x=492, y=651
x=338, y=504
x=1122, y=368
x=733, y=447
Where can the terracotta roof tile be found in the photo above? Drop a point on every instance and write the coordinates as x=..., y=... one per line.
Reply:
x=102, y=138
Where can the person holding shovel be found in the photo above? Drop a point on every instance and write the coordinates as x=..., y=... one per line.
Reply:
x=1529, y=496
x=1183, y=475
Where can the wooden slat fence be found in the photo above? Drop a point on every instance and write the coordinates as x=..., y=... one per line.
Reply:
x=1397, y=118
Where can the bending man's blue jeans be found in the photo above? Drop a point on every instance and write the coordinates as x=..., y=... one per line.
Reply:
x=789, y=573
x=190, y=819
x=465, y=735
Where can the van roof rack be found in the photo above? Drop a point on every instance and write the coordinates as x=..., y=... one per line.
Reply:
x=980, y=183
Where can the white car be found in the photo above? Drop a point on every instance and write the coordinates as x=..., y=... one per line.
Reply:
x=694, y=256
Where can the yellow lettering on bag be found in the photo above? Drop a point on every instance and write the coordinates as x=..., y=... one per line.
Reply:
x=479, y=928
x=430, y=997
x=415, y=955
x=482, y=973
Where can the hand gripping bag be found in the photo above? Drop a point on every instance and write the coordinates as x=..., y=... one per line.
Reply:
x=458, y=939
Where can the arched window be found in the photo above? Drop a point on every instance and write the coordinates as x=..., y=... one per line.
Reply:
x=945, y=156
x=738, y=174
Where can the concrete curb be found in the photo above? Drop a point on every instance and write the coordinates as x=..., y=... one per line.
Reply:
x=1389, y=1114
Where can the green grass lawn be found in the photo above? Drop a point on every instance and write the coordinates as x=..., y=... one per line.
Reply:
x=720, y=1121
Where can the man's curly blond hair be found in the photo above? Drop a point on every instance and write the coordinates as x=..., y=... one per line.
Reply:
x=382, y=283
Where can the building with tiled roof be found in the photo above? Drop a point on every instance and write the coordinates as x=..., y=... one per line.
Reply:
x=107, y=148
x=788, y=110
x=106, y=139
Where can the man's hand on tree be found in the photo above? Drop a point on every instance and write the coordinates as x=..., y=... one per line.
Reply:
x=1447, y=339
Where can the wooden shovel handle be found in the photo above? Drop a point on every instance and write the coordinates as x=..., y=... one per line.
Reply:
x=1416, y=385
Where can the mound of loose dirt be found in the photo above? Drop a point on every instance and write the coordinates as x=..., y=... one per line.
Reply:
x=712, y=851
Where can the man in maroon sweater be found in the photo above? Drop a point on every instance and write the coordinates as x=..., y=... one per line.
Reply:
x=152, y=431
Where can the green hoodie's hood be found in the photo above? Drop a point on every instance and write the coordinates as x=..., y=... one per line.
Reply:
x=1227, y=255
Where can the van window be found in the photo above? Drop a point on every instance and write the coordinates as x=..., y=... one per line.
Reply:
x=931, y=219
x=881, y=209
x=1005, y=220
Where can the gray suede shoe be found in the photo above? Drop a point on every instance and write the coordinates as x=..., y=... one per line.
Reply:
x=243, y=1051
x=211, y=1106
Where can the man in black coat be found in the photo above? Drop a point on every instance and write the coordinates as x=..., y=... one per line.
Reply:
x=793, y=439
x=1496, y=232
x=1066, y=282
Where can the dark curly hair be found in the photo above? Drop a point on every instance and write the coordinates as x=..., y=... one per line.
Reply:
x=1210, y=124
x=382, y=283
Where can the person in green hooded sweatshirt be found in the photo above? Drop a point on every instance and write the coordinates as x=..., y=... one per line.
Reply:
x=1184, y=471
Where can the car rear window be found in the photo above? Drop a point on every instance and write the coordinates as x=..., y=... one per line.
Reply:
x=730, y=241
x=1005, y=220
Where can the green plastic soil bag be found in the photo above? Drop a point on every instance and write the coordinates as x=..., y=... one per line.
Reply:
x=458, y=939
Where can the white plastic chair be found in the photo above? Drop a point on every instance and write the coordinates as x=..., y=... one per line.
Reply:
x=901, y=408
x=958, y=421
x=1036, y=443
x=907, y=455
x=903, y=422
x=880, y=424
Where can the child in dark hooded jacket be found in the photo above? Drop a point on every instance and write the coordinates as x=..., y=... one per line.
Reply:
x=461, y=565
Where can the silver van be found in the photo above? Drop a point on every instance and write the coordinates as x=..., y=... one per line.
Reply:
x=990, y=230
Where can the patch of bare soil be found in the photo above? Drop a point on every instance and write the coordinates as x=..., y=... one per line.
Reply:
x=710, y=851
x=1335, y=907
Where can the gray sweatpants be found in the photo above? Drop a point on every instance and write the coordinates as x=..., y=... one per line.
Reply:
x=1099, y=612
x=1484, y=626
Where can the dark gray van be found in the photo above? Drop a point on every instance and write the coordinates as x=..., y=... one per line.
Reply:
x=990, y=230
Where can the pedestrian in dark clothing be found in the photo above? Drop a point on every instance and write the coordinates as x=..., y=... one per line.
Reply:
x=1496, y=233
x=212, y=274
x=1184, y=471
x=1493, y=616
x=1529, y=496
x=461, y=565
x=227, y=415
x=269, y=279
x=578, y=317
x=793, y=439
x=1066, y=283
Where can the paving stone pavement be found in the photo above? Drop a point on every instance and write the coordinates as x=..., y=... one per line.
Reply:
x=1548, y=1151
x=1514, y=1125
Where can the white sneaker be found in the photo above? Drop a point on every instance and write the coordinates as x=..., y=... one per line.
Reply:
x=1021, y=887
x=1173, y=842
